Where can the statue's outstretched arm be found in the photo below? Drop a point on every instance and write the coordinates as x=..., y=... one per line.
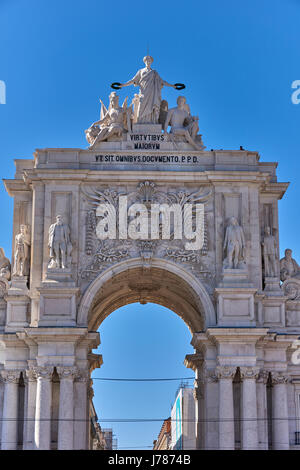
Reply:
x=130, y=82
x=164, y=83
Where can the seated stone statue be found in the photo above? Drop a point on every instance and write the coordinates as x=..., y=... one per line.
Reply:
x=289, y=268
x=183, y=124
x=114, y=121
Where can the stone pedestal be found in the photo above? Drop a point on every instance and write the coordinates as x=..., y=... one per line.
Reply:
x=17, y=304
x=146, y=128
x=272, y=286
x=57, y=304
x=235, y=306
x=59, y=275
x=234, y=277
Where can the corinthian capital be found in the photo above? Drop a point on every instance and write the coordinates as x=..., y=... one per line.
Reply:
x=225, y=372
x=279, y=378
x=10, y=376
x=31, y=374
x=249, y=372
x=82, y=376
x=263, y=376
x=66, y=372
x=43, y=372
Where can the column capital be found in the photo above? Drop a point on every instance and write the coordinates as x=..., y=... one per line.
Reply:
x=210, y=376
x=249, y=372
x=10, y=376
x=30, y=375
x=279, y=378
x=263, y=376
x=225, y=372
x=67, y=372
x=43, y=372
x=82, y=376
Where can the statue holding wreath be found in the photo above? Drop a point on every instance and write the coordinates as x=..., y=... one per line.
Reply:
x=150, y=84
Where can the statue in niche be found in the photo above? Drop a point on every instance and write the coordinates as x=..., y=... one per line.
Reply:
x=269, y=253
x=22, y=252
x=289, y=268
x=234, y=245
x=5, y=268
x=183, y=124
x=150, y=84
x=60, y=245
x=113, y=121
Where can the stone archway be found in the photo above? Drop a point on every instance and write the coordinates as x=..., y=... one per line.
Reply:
x=164, y=283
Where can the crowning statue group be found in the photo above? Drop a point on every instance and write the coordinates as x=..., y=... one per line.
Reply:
x=147, y=107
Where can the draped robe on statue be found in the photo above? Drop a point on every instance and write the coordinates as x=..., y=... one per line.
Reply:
x=150, y=85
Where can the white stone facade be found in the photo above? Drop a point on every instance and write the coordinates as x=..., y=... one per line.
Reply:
x=244, y=323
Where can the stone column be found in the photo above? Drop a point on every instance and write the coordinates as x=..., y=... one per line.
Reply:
x=29, y=421
x=66, y=407
x=249, y=410
x=42, y=431
x=211, y=410
x=10, y=409
x=90, y=398
x=262, y=415
x=81, y=410
x=226, y=414
x=195, y=362
x=280, y=438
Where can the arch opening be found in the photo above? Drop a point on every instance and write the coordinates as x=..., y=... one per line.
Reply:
x=164, y=283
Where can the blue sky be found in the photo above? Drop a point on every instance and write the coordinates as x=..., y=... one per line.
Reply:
x=238, y=61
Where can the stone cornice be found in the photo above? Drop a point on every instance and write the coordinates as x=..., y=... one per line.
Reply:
x=193, y=361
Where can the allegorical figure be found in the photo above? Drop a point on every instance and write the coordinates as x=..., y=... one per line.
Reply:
x=270, y=253
x=22, y=252
x=113, y=121
x=150, y=84
x=60, y=244
x=234, y=244
x=5, y=267
x=289, y=268
x=182, y=123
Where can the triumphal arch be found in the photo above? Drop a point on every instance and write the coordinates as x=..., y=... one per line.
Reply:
x=147, y=214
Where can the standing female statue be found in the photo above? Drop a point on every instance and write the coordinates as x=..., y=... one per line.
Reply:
x=150, y=84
